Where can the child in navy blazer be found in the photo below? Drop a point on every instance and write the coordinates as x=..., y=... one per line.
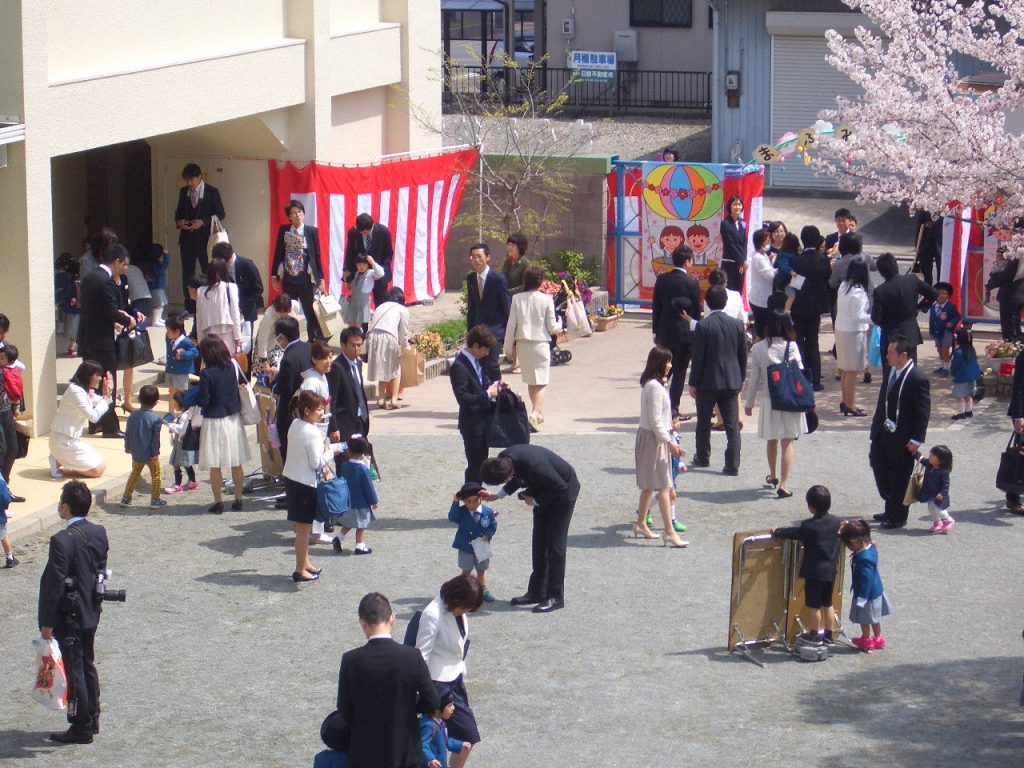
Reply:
x=869, y=600
x=362, y=496
x=181, y=357
x=966, y=372
x=434, y=733
x=935, y=487
x=943, y=318
x=475, y=521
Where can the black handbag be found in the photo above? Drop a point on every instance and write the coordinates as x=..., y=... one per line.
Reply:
x=190, y=440
x=22, y=445
x=509, y=425
x=1010, y=477
x=132, y=348
x=788, y=386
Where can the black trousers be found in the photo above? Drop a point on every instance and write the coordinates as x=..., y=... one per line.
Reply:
x=192, y=249
x=732, y=271
x=892, y=466
x=380, y=288
x=728, y=406
x=8, y=443
x=807, y=330
x=1009, y=318
x=550, y=534
x=83, y=680
x=476, y=453
x=490, y=363
x=680, y=362
x=302, y=291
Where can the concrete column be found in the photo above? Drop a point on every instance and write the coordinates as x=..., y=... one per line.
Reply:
x=421, y=75
x=309, y=131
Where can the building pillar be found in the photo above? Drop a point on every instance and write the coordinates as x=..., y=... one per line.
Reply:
x=309, y=130
x=421, y=75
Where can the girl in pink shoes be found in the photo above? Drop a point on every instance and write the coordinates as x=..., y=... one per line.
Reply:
x=869, y=602
x=935, y=487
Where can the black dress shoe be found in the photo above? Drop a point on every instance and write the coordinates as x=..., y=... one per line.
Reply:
x=236, y=505
x=72, y=736
x=890, y=525
x=216, y=509
x=819, y=387
x=526, y=599
x=867, y=377
x=17, y=499
x=881, y=517
x=700, y=463
x=733, y=471
x=549, y=605
x=118, y=434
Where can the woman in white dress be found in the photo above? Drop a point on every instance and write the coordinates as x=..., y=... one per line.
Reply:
x=217, y=310
x=654, y=448
x=531, y=324
x=774, y=426
x=386, y=337
x=853, y=323
x=80, y=403
x=761, y=277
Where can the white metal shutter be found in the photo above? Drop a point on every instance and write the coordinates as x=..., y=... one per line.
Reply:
x=803, y=83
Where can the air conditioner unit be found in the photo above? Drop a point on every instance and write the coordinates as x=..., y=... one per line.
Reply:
x=624, y=45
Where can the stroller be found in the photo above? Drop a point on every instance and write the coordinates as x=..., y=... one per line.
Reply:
x=561, y=299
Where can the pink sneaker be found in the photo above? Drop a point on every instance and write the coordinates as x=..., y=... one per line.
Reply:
x=947, y=524
x=877, y=643
x=173, y=489
x=190, y=486
x=936, y=527
x=864, y=643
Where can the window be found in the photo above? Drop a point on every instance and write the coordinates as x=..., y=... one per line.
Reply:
x=661, y=13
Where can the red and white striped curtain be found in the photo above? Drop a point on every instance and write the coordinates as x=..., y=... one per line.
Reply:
x=416, y=199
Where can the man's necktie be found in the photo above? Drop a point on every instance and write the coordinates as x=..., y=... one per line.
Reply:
x=360, y=395
x=194, y=195
x=480, y=282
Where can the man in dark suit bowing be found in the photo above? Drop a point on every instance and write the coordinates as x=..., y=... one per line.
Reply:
x=70, y=612
x=198, y=202
x=381, y=688
x=349, y=412
x=898, y=429
x=719, y=369
x=474, y=391
x=102, y=316
x=488, y=303
x=894, y=305
x=675, y=293
x=297, y=269
x=375, y=240
x=550, y=486
x=296, y=359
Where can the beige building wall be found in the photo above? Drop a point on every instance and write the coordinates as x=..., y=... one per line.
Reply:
x=300, y=80
x=668, y=48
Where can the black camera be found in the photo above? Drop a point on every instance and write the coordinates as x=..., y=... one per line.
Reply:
x=104, y=595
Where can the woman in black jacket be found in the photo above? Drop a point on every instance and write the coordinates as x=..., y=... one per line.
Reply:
x=222, y=441
x=812, y=299
x=734, y=243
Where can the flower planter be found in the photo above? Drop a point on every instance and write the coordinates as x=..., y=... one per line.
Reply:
x=605, y=323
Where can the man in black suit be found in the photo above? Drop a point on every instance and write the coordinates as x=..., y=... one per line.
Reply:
x=845, y=222
x=103, y=315
x=246, y=275
x=296, y=359
x=489, y=302
x=894, y=305
x=375, y=241
x=1016, y=412
x=350, y=414
x=381, y=688
x=474, y=391
x=297, y=268
x=676, y=293
x=198, y=202
x=716, y=378
x=549, y=486
x=71, y=613
x=898, y=429
x=812, y=299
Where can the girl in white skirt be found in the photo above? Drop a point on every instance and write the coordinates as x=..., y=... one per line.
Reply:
x=869, y=601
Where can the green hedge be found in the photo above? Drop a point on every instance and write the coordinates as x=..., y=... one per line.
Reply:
x=451, y=331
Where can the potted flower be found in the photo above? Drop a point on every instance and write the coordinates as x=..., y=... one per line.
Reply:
x=607, y=318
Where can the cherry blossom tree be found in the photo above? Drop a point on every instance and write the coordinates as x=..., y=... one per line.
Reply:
x=917, y=135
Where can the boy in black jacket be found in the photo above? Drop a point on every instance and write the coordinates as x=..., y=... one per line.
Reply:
x=820, y=537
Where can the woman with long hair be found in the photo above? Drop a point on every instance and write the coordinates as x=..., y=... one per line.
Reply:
x=654, y=447
x=777, y=427
x=853, y=324
x=217, y=311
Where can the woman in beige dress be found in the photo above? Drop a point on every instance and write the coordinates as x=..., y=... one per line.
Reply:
x=386, y=337
x=531, y=324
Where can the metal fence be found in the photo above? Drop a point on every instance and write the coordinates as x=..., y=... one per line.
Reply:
x=631, y=90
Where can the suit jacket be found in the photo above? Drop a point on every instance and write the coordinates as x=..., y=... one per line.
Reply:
x=493, y=307
x=441, y=643
x=909, y=404
x=100, y=297
x=1016, y=407
x=543, y=474
x=209, y=205
x=250, y=288
x=381, y=688
x=78, y=552
x=288, y=381
x=719, y=360
x=312, y=252
x=812, y=300
x=674, y=291
x=380, y=248
x=734, y=241
x=894, y=307
x=218, y=392
x=822, y=549
x=346, y=397
x=474, y=402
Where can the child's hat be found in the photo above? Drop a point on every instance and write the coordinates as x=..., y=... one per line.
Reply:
x=444, y=691
x=469, y=489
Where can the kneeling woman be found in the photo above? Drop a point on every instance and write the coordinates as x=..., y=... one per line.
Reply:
x=80, y=403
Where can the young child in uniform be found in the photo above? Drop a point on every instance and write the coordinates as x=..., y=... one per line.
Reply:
x=943, y=319
x=869, y=601
x=184, y=457
x=966, y=372
x=142, y=441
x=181, y=358
x=363, y=497
x=935, y=487
x=434, y=733
x=678, y=467
x=820, y=536
x=476, y=521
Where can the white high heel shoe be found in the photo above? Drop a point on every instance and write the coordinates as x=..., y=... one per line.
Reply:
x=55, y=472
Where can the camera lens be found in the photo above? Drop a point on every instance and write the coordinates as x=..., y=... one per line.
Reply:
x=114, y=595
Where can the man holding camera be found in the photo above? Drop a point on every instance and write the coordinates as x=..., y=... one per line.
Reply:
x=69, y=607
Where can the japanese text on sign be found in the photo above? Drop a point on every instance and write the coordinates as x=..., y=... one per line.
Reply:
x=594, y=66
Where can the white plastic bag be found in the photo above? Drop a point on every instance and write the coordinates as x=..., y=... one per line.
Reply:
x=51, y=685
x=482, y=549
